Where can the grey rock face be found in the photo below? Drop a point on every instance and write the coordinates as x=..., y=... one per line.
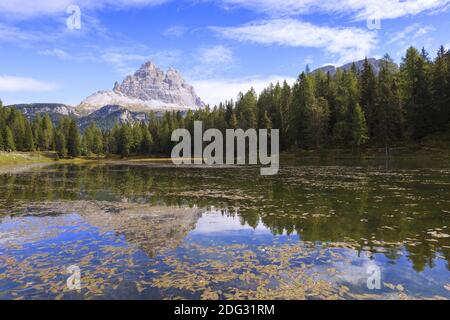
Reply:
x=106, y=117
x=148, y=89
x=54, y=110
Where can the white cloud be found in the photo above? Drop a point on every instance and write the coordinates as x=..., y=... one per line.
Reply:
x=14, y=34
x=175, y=31
x=382, y=9
x=410, y=32
x=23, y=84
x=215, y=90
x=215, y=55
x=57, y=53
x=33, y=8
x=126, y=61
x=209, y=61
x=64, y=55
x=348, y=44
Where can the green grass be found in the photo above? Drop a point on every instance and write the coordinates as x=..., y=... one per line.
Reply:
x=15, y=158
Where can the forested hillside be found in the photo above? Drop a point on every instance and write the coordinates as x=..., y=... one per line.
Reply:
x=349, y=109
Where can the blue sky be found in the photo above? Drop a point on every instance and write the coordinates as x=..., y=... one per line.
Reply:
x=219, y=46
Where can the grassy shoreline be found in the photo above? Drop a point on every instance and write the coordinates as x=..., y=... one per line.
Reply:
x=18, y=158
x=312, y=156
x=35, y=157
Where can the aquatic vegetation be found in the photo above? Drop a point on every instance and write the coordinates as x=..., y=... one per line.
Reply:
x=156, y=232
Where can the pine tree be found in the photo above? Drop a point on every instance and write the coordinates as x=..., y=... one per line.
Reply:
x=267, y=124
x=9, y=140
x=60, y=143
x=2, y=129
x=441, y=89
x=287, y=132
x=347, y=100
x=358, y=127
x=388, y=111
x=46, y=136
x=28, y=142
x=37, y=131
x=246, y=110
x=303, y=102
x=233, y=121
x=73, y=140
x=2, y=139
x=147, y=140
x=416, y=93
x=97, y=143
x=17, y=126
x=125, y=140
x=318, y=123
x=368, y=99
x=136, y=139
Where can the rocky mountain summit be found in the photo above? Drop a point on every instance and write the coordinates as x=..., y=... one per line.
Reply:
x=148, y=89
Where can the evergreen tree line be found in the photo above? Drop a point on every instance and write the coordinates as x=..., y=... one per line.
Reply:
x=17, y=133
x=348, y=109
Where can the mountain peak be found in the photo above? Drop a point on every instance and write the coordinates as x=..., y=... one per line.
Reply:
x=148, y=89
x=149, y=65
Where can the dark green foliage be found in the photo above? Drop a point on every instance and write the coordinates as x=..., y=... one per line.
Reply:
x=28, y=141
x=416, y=93
x=387, y=118
x=73, y=140
x=348, y=109
x=9, y=140
x=60, y=143
x=368, y=96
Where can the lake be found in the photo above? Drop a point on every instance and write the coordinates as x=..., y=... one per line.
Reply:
x=163, y=232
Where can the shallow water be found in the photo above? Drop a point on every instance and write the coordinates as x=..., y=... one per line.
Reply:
x=159, y=232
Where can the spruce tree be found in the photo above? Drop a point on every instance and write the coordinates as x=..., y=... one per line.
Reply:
x=303, y=101
x=147, y=140
x=358, y=127
x=28, y=141
x=441, y=90
x=388, y=111
x=73, y=140
x=17, y=126
x=125, y=140
x=37, y=131
x=287, y=132
x=60, y=143
x=2, y=130
x=9, y=140
x=416, y=93
x=246, y=110
x=46, y=133
x=368, y=87
x=318, y=123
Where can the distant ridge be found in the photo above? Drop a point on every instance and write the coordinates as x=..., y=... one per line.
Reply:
x=375, y=63
x=54, y=110
x=108, y=116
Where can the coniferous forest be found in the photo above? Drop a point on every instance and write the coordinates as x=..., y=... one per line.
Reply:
x=350, y=109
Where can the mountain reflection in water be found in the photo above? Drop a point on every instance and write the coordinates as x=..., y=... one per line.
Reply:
x=162, y=232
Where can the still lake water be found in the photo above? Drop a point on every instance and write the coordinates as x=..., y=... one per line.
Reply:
x=160, y=232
